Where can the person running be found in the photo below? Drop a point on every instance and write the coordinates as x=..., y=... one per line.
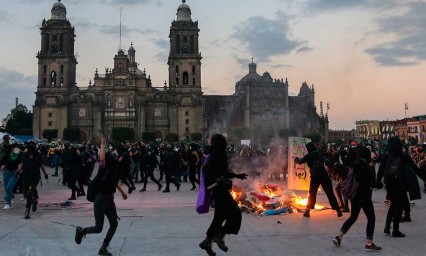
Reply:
x=9, y=166
x=30, y=171
x=216, y=170
x=319, y=176
x=106, y=183
x=366, y=178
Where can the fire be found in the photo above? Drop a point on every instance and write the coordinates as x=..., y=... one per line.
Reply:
x=304, y=201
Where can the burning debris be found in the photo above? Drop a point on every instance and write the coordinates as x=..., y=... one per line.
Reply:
x=269, y=199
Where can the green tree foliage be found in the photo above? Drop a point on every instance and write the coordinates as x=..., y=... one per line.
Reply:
x=122, y=134
x=314, y=136
x=50, y=134
x=171, y=137
x=148, y=137
x=72, y=134
x=19, y=120
x=196, y=136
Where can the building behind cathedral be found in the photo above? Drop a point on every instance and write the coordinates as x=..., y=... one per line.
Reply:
x=124, y=96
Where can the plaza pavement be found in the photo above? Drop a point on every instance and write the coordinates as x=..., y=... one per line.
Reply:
x=156, y=224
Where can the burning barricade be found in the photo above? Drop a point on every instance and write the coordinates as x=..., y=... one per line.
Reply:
x=269, y=199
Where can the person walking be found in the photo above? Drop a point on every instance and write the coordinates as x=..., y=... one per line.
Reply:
x=9, y=166
x=151, y=164
x=71, y=162
x=106, y=183
x=216, y=171
x=30, y=171
x=319, y=176
x=193, y=160
x=366, y=178
x=399, y=173
x=171, y=167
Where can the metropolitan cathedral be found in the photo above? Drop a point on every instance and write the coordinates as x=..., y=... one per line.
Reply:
x=124, y=96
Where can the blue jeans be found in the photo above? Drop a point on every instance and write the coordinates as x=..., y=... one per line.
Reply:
x=9, y=179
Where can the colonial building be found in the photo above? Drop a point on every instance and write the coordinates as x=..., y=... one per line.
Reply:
x=124, y=96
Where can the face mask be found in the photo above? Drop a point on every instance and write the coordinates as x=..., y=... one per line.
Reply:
x=110, y=148
x=16, y=151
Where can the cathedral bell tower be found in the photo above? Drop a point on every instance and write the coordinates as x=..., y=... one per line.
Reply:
x=186, y=114
x=184, y=58
x=56, y=72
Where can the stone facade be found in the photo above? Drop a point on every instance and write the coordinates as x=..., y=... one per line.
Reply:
x=123, y=96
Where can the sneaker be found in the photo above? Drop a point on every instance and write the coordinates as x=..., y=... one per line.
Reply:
x=34, y=205
x=166, y=190
x=220, y=241
x=406, y=218
x=159, y=187
x=178, y=186
x=27, y=214
x=337, y=241
x=387, y=230
x=79, y=234
x=54, y=175
x=207, y=246
x=307, y=214
x=7, y=207
x=372, y=248
x=104, y=251
x=398, y=234
x=72, y=198
x=346, y=209
x=339, y=213
x=142, y=190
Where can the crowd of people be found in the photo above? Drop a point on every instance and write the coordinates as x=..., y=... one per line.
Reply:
x=395, y=167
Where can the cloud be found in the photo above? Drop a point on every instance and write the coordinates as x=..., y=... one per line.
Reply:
x=126, y=2
x=409, y=47
x=114, y=29
x=328, y=5
x=162, y=44
x=304, y=49
x=282, y=66
x=265, y=38
x=15, y=84
x=4, y=16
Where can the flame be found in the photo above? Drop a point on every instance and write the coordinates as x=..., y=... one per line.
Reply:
x=304, y=201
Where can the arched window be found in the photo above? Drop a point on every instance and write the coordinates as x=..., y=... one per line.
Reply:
x=193, y=81
x=191, y=44
x=178, y=50
x=177, y=70
x=185, y=48
x=62, y=69
x=44, y=69
x=177, y=81
x=185, y=78
x=53, y=78
x=44, y=81
x=193, y=70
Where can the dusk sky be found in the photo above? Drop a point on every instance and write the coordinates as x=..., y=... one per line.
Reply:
x=367, y=58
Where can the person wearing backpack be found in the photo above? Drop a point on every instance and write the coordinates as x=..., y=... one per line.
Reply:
x=365, y=179
x=319, y=176
x=399, y=173
x=106, y=183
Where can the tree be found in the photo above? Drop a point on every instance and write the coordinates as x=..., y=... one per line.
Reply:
x=148, y=136
x=196, y=136
x=19, y=120
x=171, y=137
x=121, y=134
x=72, y=134
x=50, y=134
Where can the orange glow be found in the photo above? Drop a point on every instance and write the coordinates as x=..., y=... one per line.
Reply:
x=304, y=201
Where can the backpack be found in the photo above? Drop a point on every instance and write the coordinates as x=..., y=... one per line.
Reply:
x=392, y=167
x=349, y=186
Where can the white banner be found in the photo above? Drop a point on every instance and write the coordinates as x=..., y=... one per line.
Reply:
x=299, y=175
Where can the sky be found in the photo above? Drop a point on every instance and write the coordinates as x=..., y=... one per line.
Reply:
x=366, y=58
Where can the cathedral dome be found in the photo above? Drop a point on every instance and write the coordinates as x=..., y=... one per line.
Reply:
x=59, y=12
x=183, y=12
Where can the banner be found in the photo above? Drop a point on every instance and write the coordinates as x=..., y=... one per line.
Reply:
x=299, y=175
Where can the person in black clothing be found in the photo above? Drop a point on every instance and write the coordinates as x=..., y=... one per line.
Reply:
x=319, y=176
x=366, y=178
x=151, y=164
x=106, y=183
x=71, y=164
x=123, y=166
x=193, y=160
x=399, y=173
x=30, y=171
x=216, y=170
x=171, y=167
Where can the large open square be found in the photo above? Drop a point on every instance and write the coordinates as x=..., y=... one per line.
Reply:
x=154, y=224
